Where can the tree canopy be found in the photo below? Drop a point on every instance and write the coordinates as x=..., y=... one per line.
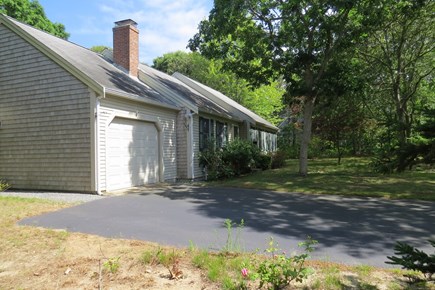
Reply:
x=32, y=13
x=298, y=40
x=265, y=100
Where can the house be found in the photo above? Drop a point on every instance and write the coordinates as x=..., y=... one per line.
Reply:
x=75, y=120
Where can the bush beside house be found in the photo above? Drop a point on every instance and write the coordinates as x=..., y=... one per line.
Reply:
x=236, y=158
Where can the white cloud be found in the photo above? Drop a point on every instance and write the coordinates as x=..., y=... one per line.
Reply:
x=164, y=25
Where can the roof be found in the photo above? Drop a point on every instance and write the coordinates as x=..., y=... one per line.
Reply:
x=181, y=92
x=232, y=106
x=90, y=67
x=152, y=86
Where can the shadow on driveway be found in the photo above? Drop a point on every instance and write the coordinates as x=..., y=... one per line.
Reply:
x=349, y=230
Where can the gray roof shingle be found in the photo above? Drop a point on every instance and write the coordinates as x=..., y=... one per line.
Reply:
x=93, y=65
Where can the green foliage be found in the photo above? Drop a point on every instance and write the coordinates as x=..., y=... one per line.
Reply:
x=414, y=259
x=159, y=257
x=201, y=259
x=233, y=243
x=99, y=48
x=241, y=155
x=212, y=159
x=264, y=161
x=420, y=149
x=280, y=270
x=297, y=40
x=190, y=64
x=112, y=265
x=266, y=100
x=399, y=56
x=233, y=270
x=350, y=175
x=288, y=139
x=4, y=185
x=32, y=13
x=236, y=158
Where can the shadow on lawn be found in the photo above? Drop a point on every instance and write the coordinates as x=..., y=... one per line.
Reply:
x=358, y=226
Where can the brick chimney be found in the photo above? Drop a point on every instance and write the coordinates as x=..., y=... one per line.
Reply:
x=126, y=45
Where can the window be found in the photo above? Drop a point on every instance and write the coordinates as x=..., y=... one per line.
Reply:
x=236, y=132
x=208, y=131
x=221, y=134
x=204, y=132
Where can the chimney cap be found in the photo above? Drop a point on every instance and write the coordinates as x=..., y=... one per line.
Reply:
x=125, y=23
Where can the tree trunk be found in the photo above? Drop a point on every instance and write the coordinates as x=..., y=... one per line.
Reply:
x=306, y=135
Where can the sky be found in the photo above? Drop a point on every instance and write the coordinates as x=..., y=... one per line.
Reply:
x=164, y=25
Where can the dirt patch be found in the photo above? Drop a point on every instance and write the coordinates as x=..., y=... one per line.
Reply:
x=59, y=260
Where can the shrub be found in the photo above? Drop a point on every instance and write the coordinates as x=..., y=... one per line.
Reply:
x=263, y=161
x=414, y=259
x=212, y=159
x=278, y=159
x=237, y=157
x=241, y=155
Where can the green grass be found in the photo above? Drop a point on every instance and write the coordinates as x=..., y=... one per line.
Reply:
x=159, y=256
x=353, y=177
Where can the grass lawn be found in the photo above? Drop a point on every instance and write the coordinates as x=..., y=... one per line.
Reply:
x=353, y=178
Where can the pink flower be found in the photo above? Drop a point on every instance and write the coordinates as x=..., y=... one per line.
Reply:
x=245, y=272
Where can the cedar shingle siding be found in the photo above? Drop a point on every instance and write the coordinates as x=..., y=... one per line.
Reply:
x=45, y=115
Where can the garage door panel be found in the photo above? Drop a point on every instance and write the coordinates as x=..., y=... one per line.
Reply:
x=132, y=154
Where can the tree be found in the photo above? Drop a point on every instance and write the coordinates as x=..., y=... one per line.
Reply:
x=264, y=39
x=401, y=57
x=266, y=100
x=32, y=13
x=100, y=48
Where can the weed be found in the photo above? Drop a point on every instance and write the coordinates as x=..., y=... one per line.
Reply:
x=216, y=268
x=112, y=265
x=279, y=270
x=159, y=256
x=364, y=270
x=147, y=257
x=167, y=259
x=4, y=185
x=233, y=244
x=201, y=259
x=192, y=246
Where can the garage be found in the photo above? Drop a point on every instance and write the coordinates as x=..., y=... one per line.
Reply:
x=132, y=153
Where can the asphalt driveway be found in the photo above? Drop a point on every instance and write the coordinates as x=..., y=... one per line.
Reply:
x=349, y=230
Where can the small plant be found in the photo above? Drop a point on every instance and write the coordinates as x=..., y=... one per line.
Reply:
x=159, y=256
x=112, y=265
x=280, y=270
x=364, y=270
x=233, y=244
x=414, y=259
x=201, y=259
x=4, y=185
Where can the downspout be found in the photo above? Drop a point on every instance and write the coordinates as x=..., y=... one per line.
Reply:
x=192, y=153
x=192, y=157
x=97, y=138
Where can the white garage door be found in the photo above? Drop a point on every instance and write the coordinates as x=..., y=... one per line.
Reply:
x=132, y=154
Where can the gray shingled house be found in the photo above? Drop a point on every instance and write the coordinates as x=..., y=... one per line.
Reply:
x=75, y=120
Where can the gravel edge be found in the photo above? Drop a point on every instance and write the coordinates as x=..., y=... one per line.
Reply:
x=54, y=196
